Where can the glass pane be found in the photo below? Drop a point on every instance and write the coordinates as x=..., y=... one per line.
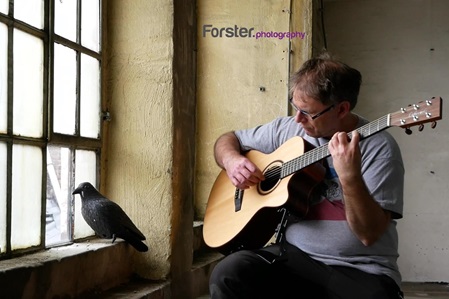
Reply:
x=4, y=6
x=31, y=12
x=2, y=197
x=85, y=171
x=28, y=85
x=3, y=77
x=64, y=90
x=26, y=196
x=90, y=97
x=58, y=195
x=90, y=24
x=65, y=19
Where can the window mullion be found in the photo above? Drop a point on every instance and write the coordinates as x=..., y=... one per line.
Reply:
x=8, y=196
x=78, y=69
x=47, y=111
x=9, y=143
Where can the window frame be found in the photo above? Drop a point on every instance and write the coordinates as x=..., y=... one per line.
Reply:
x=49, y=137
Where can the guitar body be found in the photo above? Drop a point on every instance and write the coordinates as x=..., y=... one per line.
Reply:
x=252, y=226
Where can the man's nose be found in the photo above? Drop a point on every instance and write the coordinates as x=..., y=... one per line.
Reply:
x=300, y=118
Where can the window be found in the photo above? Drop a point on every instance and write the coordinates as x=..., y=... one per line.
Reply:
x=50, y=119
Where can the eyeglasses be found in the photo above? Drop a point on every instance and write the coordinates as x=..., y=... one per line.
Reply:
x=312, y=117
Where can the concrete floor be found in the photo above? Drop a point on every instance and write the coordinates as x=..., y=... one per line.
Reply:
x=414, y=291
x=425, y=290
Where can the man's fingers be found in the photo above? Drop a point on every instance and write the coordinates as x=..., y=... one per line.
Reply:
x=355, y=136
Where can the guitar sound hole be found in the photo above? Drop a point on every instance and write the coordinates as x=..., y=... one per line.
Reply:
x=272, y=176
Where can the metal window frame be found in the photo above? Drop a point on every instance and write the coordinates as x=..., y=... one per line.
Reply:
x=73, y=142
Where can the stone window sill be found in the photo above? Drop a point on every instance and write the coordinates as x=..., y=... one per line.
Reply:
x=72, y=270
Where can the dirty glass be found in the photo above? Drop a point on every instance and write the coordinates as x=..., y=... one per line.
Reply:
x=90, y=97
x=58, y=206
x=2, y=196
x=28, y=85
x=65, y=19
x=4, y=6
x=31, y=12
x=64, y=90
x=90, y=24
x=26, y=196
x=86, y=171
x=3, y=77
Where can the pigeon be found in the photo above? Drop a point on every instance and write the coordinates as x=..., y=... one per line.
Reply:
x=107, y=219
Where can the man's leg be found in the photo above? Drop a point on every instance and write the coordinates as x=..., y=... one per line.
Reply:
x=243, y=274
x=256, y=274
x=261, y=274
x=352, y=283
x=338, y=282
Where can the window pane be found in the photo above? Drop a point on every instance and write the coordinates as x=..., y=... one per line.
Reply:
x=90, y=97
x=65, y=19
x=26, y=196
x=64, y=90
x=3, y=77
x=58, y=195
x=28, y=72
x=85, y=171
x=90, y=24
x=31, y=12
x=2, y=197
x=4, y=5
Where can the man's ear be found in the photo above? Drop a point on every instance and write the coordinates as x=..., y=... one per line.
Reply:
x=343, y=108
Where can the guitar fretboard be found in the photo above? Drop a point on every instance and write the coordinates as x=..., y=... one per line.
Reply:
x=321, y=152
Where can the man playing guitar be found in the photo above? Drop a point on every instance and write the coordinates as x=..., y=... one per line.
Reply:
x=346, y=245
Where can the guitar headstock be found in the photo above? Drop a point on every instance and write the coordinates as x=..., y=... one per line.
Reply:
x=418, y=114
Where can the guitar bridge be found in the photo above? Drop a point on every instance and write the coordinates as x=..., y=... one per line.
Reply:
x=238, y=198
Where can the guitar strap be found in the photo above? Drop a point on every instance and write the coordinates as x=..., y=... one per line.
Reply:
x=272, y=254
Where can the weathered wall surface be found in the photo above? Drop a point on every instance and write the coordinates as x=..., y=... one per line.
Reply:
x=401, y=47
x=140, y=134
x=242, y=77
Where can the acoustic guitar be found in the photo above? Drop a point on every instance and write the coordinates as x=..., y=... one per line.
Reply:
x=247, y=219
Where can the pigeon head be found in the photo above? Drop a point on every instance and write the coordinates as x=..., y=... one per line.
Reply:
x=85, y=189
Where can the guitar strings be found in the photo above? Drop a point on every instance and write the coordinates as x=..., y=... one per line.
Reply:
x=321, y=152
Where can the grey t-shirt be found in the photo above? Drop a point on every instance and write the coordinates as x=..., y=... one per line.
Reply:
x=324, y=233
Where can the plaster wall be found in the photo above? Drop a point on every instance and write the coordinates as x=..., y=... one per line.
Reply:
x=243, y=81
x=401, y=47
x=138, y=170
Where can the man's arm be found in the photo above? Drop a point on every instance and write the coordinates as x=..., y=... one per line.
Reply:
x=365, y=216
x=241, y=171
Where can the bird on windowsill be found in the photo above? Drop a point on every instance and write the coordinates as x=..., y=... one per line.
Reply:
x=107, y=219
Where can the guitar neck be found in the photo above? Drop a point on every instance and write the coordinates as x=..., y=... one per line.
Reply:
x=321, y=152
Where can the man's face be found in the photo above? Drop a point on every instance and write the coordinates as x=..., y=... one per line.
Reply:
x=317, y=119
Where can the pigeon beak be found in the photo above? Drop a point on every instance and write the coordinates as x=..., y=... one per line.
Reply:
x=76, y=191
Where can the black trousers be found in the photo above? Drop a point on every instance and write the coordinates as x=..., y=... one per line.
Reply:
x=263, y=274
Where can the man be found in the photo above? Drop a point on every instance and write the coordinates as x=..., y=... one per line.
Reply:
x=346, y=246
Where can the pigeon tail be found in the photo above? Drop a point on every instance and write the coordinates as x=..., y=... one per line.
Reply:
x=137, y=244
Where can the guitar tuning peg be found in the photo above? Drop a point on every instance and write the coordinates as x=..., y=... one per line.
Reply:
x=421, y=127
x=433, y=125
x=408, y=131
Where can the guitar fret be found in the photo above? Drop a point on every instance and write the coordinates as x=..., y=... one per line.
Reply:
x=307, y=159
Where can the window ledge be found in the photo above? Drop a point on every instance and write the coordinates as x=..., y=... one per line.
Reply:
x=72, y=270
